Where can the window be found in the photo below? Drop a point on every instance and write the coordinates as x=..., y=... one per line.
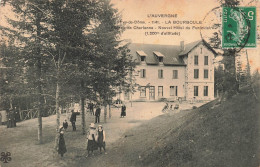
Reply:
x=173, y=90
x=196, y=60
x=206, y=90
x=143, y=73
x=160, y=73
x=175, y=74
x=143, y=91
x=142, y=58
x=196, y=90
x=206, y=60
x=206, y=73
x=160, y=59
x=160, y=91
x=196, y=73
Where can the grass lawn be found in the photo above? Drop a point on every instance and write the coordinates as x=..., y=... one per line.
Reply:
x=214, y=135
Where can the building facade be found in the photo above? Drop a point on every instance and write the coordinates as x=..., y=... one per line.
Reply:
x=173, y=72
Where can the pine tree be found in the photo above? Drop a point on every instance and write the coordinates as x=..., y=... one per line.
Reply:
x=112, y=58
x=231, y=84
x=28, y=30
x=12, y=77
x=69, y=21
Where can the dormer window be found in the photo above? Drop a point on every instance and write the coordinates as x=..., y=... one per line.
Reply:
x=159, y=56
x=142, y=55
x=175, y=59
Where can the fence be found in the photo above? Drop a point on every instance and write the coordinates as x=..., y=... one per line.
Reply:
x=31, y=113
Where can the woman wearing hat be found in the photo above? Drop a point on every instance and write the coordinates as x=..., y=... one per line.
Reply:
x=123, y=110
x=101, y=138
x=61, y=142
x=91, y=139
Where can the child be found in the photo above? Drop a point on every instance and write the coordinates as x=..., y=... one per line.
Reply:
x=101, y=139
x=65, y=125
x=61, y=142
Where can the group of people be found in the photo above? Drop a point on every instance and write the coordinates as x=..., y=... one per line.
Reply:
x=96, y=137
x=97, y=112
x=166, y=108
x=96, y=140
x=73, y=118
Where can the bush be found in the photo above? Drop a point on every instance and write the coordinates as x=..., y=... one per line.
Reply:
x=194, y=107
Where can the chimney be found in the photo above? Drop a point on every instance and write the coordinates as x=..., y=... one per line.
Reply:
x=182, y=46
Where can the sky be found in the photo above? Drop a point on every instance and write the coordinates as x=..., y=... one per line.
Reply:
x=185, y=10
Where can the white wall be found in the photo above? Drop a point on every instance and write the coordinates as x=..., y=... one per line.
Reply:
x=185, y=81
x=190, y=91
x=153, y=80
x=201, y=81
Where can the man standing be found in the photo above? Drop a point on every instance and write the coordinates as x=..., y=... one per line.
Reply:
x=91, y=108
x=73, y=120
x=12, y=118
x=17, y=115
x=97, y=114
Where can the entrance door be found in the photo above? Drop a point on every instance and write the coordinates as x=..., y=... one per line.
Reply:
x=152, y=93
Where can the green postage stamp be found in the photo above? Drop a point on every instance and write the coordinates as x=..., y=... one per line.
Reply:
x=239, y=27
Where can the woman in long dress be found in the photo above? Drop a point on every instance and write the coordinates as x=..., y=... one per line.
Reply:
x=92, y=145
x=101, y=139
x=123, y=111
x=61, y=142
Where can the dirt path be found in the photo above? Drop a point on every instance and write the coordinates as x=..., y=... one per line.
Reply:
x=22, y=140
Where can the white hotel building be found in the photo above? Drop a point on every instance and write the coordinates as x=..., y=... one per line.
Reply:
x=172, y=72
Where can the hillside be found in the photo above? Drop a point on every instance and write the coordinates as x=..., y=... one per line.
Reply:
x=221, y=135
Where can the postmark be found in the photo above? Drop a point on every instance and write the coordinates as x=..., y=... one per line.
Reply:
x=239, y=27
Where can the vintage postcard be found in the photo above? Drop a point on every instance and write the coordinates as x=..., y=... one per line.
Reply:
x=129, y=83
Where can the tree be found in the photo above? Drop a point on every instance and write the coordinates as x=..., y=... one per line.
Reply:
x=28, y=30
x=112, y=58
x=12, y=77
x=230, y=82
x=70, y=19
x=62, y=44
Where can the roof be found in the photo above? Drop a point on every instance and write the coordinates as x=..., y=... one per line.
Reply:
x=171, y=53
x=190, y=46
x=141, y=53
x=158, y=54
x=168, y=51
